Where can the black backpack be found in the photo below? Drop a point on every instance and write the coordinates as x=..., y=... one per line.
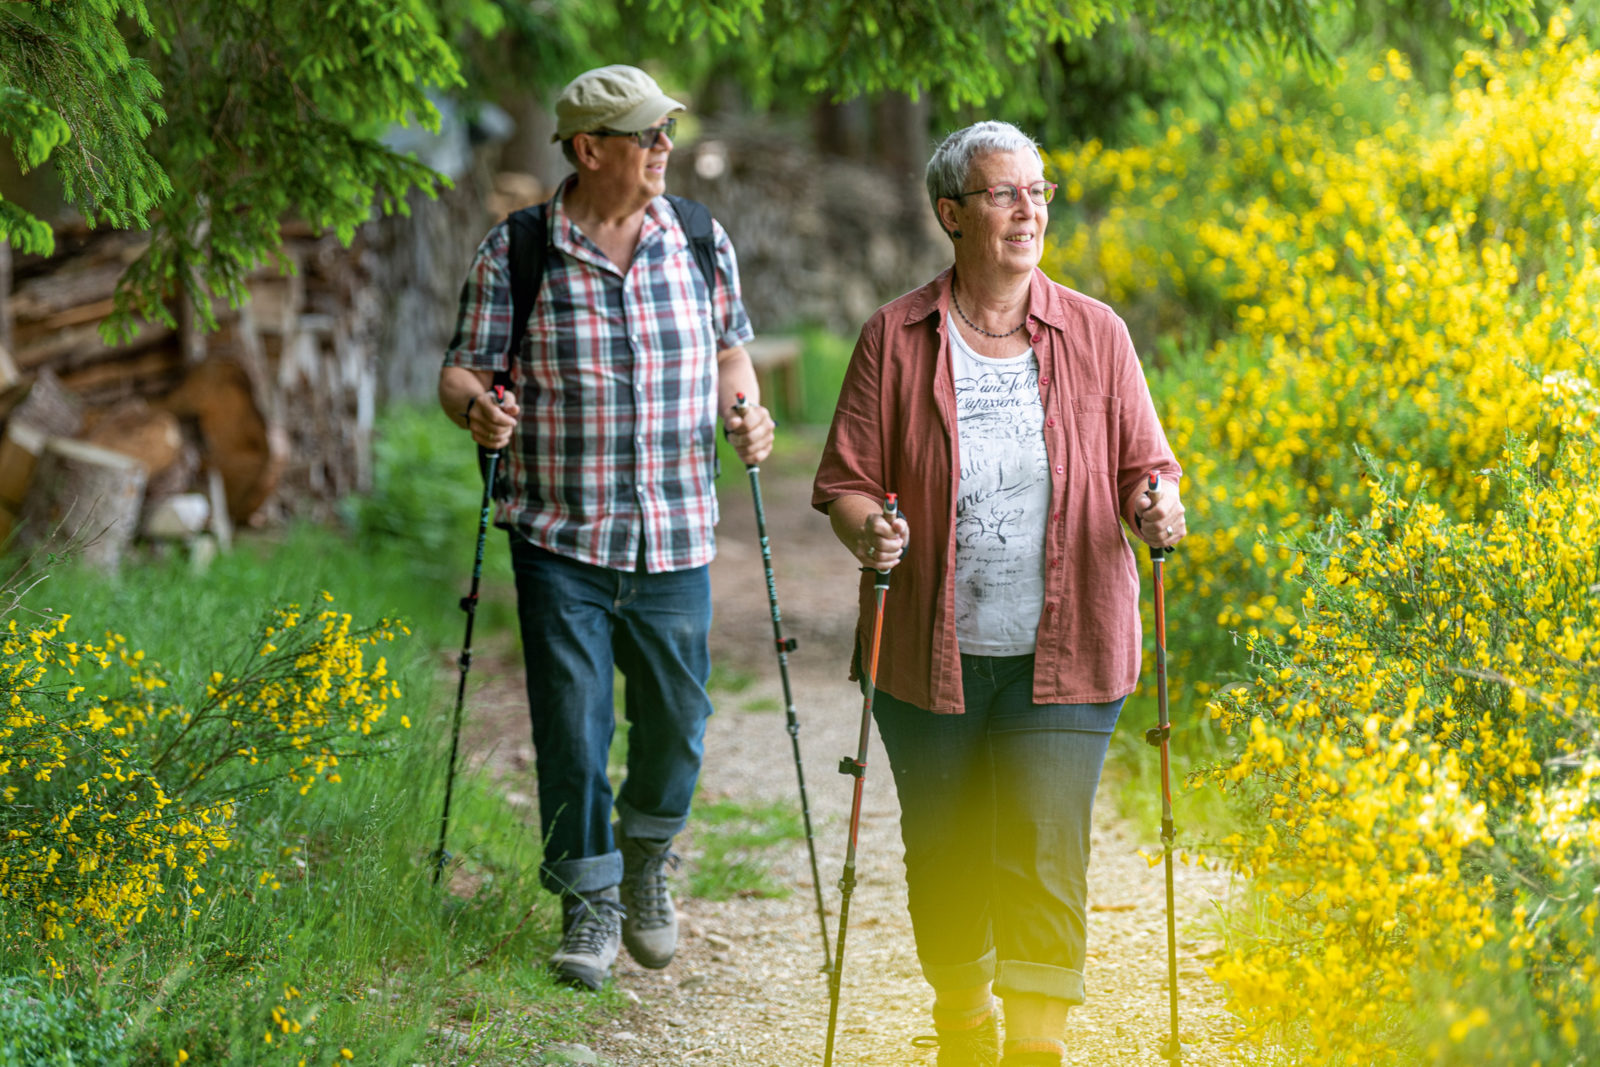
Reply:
x=531, y=246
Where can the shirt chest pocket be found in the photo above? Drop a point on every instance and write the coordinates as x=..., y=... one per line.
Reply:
x=1094, y=421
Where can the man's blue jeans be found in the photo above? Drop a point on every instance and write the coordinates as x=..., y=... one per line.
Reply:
x=578, y=622
x=995, y=814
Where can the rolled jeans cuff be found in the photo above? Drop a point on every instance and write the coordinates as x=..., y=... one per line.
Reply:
x=943, y=976
x=639, y=826
x=1041, y=979
x=587, y=875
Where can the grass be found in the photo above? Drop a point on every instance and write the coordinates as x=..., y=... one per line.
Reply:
x=1133, y=767
x=347, y=938
x=732, y=839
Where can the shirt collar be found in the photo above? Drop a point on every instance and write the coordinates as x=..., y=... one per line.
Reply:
x=1044, y=300
x=659, y=220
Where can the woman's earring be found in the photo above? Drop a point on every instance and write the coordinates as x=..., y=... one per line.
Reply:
x=955, y=233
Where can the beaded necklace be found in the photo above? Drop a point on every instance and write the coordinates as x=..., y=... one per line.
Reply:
x=975, y=326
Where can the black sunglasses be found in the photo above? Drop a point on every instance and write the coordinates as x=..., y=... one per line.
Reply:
x=646, y=139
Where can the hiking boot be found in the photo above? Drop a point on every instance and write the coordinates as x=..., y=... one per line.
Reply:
x=591, y=931
x=972, y=1046
x=650, y=927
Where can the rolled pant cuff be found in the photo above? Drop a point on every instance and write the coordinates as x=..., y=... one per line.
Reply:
x=586, y=875
x=943, y=976
x=639, y=826
x=1041, y=979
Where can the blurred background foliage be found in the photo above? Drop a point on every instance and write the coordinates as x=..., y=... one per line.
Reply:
x=283, y=105
x=1361, y=224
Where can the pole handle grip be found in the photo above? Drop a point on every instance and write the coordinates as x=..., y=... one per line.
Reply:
x=891, y=512
x=1153, y=491
x=741, y=404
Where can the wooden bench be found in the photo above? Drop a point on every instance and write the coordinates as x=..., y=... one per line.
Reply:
x=778, y=371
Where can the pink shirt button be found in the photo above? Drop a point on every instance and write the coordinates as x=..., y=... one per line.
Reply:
x=1061, y=470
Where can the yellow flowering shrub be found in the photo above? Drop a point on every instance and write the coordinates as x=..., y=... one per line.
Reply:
x=1422, y=756
x=1366, y=265
x=117, y=795
x=1360, y=294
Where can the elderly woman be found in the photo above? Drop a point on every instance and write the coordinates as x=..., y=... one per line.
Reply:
x=1011, y=416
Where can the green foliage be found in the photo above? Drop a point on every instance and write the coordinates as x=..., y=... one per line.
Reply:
x=320, y=924
x=42, y=1027
x=731, y=839
x=291, y=131
x=74, y=95
x=212, y=122
x=824, y=358
x=426, y=493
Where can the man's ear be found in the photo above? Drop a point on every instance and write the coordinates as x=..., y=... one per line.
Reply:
x=587, y=149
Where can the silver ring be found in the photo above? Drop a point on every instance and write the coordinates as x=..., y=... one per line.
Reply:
x=1169, y=531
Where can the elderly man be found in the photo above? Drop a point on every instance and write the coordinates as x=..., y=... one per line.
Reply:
x=631, y=347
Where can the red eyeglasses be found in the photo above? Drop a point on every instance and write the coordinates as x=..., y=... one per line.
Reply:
x=1005, y=194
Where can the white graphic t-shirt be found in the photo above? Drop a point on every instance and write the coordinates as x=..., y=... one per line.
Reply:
x=1003, y=503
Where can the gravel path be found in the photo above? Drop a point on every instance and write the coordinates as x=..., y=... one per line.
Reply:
x=746, y=988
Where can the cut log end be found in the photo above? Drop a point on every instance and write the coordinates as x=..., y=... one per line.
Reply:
x=84, y=501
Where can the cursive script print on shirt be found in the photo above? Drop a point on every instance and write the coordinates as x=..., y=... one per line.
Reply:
x=1001, y=503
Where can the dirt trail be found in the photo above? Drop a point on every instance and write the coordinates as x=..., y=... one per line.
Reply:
x=745, y=989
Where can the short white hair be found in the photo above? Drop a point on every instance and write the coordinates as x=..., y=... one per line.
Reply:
x=950, y=167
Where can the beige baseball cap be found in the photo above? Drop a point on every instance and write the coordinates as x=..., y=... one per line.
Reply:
x=618, y=97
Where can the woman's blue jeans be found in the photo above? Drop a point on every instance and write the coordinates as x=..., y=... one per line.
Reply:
x=579, y=622
x=995, y=815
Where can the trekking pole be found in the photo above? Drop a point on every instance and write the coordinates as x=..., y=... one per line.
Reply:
x=1158, y=736
x=857, y=768
x=469, y=604
x=784, y=646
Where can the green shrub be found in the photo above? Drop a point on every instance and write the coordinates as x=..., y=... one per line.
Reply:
x=43, y=1027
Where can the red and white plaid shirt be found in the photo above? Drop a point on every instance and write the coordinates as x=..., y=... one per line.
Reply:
x=617, y=378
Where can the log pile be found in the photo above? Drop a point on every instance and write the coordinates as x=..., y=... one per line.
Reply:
x=271, y=415
x=820, y=240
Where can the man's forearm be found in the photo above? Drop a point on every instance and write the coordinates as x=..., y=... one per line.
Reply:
x=736, y=374
x=457, y=387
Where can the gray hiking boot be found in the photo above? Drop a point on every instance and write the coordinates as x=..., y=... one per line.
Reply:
x=591, y=932
x=650, y=927
x=976, y=1045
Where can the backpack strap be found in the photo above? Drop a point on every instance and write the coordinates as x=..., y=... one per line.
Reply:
x=530, y=245
x=695, y=218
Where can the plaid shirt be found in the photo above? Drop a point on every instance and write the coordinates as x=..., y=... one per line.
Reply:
x=617, y=379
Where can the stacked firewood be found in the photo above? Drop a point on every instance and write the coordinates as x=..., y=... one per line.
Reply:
x=177, y=432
